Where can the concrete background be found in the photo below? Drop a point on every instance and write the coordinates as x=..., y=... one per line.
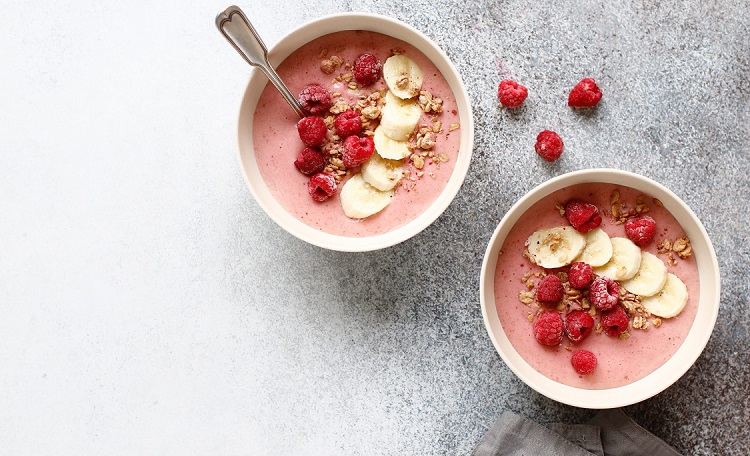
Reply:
x=149, y=306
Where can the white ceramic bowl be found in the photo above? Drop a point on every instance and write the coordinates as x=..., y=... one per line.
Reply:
x=686, y=354
x=305, y=34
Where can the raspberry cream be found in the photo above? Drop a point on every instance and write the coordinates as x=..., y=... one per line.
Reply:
x=276, y=141
x=621, y=361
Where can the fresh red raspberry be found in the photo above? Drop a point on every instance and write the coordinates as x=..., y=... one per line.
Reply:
x=367, y=69
x=615, y=321
x=310, y=161
x=550, y=290
x=511, y=94
x=321, y=186
x=348, y=123
x=583, y=361
x=604, y=293
x=312, y=130
x=357, y=150
x=583, y=216
x=580, y=275
x=315, y=99
x=585, y=94
x=578, y=325
x=549, y=145
x=641, y=230
x=548, y=330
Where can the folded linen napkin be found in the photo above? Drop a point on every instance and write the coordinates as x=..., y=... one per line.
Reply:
x=609, y=433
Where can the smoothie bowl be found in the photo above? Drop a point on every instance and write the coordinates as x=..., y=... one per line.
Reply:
x=599, y=288
x=386, y=142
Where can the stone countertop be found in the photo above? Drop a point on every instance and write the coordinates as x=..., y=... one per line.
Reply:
x=149, y=305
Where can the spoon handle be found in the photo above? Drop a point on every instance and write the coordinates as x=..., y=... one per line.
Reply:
x=237, y=29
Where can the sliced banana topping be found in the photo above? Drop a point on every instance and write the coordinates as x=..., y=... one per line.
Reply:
x=390, y=148
x=403, y=76
x=555, y=247
x=360, y=199
x=651, y=276
x=399, y=117
x=625, y=261
x=598, y=250
x=382, y=173
x=670, y=300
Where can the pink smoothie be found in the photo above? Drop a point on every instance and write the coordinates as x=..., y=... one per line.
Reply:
x=277, y=143
x=620, y=361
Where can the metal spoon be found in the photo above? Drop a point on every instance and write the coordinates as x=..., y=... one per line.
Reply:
x=241, y=34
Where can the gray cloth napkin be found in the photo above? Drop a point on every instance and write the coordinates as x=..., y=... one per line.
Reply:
x=609, y=433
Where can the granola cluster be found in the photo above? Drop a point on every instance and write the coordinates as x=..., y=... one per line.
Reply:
x=680, y=247
x=621, y=212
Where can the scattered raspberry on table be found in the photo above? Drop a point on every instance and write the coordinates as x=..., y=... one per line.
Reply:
x=511, y=94
x=586, y=94
x=549, y=145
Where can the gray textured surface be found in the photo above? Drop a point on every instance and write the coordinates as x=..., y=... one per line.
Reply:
x=149, y=306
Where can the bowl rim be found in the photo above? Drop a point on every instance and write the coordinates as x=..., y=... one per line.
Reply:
x=304, y=34
x=665, y=375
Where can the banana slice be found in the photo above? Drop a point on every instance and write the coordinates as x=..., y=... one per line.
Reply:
x=555, y=247
x=399, y=117
x=402, y=76
x=382, y=173
x=625, y=261
x=651, y=276
x=390, y=148
x=360, y=199
x=670, y=301
x=598, y=250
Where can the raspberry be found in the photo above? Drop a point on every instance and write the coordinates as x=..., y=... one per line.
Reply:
x=549, y=145
x=312, y=130
x=367, y=69
x=511, y=94
x=321, y=186
x=585, y=94
x=615, y=321
x=357, y=150
x=578, y=325
x=583, y=361
x=548, y=330
x=582, y=215
x=310, y=161
x=641, y=230
x=315, y=100
x=604, y=293
x=550, y=290
x=348, y=123
x=580, y=275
